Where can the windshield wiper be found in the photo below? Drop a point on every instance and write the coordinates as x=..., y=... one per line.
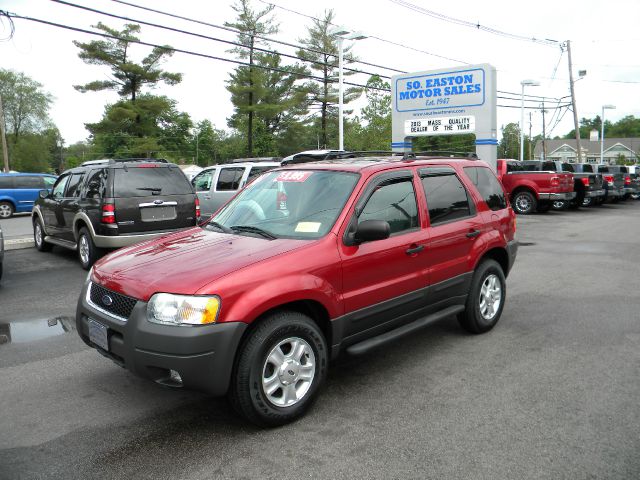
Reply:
x=219, y=227
x=250, y=229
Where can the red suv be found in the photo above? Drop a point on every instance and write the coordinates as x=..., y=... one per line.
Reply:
x=304, y=263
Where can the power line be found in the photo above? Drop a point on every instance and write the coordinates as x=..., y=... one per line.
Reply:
x=261, y=37
x=206, y=37
x=370, y=36
x=475, y=26
x=187, y=52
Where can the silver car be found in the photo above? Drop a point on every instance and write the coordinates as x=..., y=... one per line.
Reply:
x=216, y=185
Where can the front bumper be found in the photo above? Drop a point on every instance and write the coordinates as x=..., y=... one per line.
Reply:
x=202, y=355
x=557, y=196
x=594, y=193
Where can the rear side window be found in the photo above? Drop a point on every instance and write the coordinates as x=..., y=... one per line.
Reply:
x=229, y=179
x=567, y=167
x=29, y=182
x=587, y=168
x=548, y=166
x=6, y=182
x=447, y=198
x=73, y=187
x=514, y=167
x=488, y=186
x=395, y=203
x=95, y=184
x=148, y=181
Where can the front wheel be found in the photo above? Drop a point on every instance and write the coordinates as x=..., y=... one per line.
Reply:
x=38, y=237
x=6, y=210
x=486, y=298
x=279, y=369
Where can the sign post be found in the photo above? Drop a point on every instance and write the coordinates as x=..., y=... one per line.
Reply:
x=446, y=102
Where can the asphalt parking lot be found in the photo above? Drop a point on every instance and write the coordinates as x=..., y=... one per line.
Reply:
x=551, y=392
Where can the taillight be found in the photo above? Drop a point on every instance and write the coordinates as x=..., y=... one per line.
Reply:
x=555, y=181
x=108, y=213
x=197, y=208
x=608, y=179
x=585, y=180
x=627, y=180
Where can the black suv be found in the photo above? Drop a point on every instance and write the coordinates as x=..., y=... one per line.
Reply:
x=106, y=204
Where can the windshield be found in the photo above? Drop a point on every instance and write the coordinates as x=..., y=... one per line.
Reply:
x=299, y=204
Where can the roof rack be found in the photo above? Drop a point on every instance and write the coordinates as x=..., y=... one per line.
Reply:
x=106, y=161
x=444, y=153
x=256, y=159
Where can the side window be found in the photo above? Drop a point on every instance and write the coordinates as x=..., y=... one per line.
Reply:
x=514, y=167
x=73, y=186
x=549, y=166
x=447, y=198
x=94, y=186
x=394, y=202
x=58, y=188
x=49, y=181
x=229, y=178
x=29, y=182
x=6, y=182
x=488, y=186
x=202, y=181
x=255, y=171
x=603, y=169
x=567, y=167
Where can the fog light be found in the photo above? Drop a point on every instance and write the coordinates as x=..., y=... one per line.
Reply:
x=173, y=380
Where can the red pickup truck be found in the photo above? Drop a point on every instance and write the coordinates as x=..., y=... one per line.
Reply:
x=531, y=190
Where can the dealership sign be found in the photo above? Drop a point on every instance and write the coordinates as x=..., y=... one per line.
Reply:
x=446, y=102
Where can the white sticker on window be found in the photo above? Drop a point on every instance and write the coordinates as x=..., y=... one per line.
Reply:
x=308, y=227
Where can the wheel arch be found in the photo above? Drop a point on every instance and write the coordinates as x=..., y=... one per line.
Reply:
x=498, y=254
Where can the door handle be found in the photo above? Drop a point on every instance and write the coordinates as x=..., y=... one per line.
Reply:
x=414, y=250
x=473, y=234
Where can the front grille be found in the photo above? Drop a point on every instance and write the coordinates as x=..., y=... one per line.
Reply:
x=120, y=305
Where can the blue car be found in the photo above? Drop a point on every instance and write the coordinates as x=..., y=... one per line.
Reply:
x=18, y=191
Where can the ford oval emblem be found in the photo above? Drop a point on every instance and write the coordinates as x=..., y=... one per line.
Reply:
x=107, y=300
x=158, y=202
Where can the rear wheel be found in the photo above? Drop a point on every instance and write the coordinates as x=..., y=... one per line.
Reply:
x=524, y=202
x=88, y=253
x=587, y=201
x=279, y=369
x=6, y=210
x=486, y=298
x=38, y=237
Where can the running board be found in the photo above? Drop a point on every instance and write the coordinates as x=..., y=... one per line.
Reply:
x=61, y=243
x=371, y=343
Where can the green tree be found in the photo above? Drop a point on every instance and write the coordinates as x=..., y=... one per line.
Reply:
x=375, y=133
x=626, y=127
x=322, y=48
x=509, y=146
x=245, y=83
x=128, y=77
x=25, y=103
x=150, y=127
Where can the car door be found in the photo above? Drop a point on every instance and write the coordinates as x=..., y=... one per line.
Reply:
x=202, y=183
x=389, y=274
x=69, y=205
x=455, y=230
x=51, y=209
x=227, y=184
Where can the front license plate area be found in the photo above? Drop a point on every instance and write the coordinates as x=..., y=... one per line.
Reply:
x=98, y=334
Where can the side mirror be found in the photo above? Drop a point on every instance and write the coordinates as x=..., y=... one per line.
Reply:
x=43, y=193
x=371, y=230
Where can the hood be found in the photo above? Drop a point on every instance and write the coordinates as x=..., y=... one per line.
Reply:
x=184, y=262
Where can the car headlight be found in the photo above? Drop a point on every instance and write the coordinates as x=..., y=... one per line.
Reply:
x=169, y=309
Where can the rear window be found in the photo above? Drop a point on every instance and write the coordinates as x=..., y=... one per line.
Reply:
x=148, y=181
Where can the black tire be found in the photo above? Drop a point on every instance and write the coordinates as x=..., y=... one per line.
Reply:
x=6, y=210
x=88, y=253
x=543, y=207
x=38, y=237
x=588, y=202
x=247, y=392
x=473, y=319
x=524, y=202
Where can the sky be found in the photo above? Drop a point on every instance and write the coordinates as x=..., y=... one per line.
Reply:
x=604, y=38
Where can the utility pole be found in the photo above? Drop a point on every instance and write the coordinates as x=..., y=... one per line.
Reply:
x=573, y=104
x=530, y=136
x=544, y=134
x=5, y=153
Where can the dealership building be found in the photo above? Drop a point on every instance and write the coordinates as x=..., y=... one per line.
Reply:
x=616, y=150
